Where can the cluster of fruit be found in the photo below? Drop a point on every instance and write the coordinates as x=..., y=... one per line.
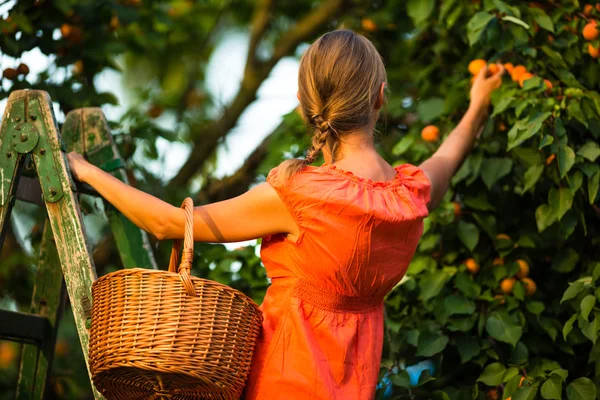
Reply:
x=507, y=284
x=13, y=73
x=591, y=32
x=517, y=73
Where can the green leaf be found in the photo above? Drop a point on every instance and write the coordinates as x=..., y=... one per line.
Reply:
x=468, y=234
x=565, y=261
x=501, y=328
x=596, y=271
x=525, y=393
x=569, y=326
x=492, y=374
x=419, y=264
x=543, y=19
x=547, y=140
x=572, y=291
x=425, y=377
x=548, y=326
x=494, y=168
x=412, y=337
x=518, y=356
x=515, y=21
x=420, y=10
x=532, y=175
x=458, y=305
x=468, y=347
x=511, y=386
x=560, y=200
x=526, y=129
x=581, y=389
x=566, y=159
x=563, y=373
x=552, y=388
x=586, y=305
x=431, y=343
x=478, y=203
x=510, y=373
x=401, y=379
x=432, y=283
x=593, y=185
x=430, y=109
x=465, y=284
x=476, y=26
x=502, y=105
x=590, y=329
x=535, y=307
x=403, y=145
x=589, y=151
x=544, y=217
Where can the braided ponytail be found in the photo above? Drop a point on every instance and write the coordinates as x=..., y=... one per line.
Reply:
x=323, y=132
x=338, y=86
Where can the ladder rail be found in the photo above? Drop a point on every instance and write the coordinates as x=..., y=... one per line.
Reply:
x=47, y=302
x=29, y=132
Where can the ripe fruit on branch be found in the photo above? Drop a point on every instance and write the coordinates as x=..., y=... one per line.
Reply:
x=430, y=133
x=507, y=285
x=590, y=31
x=23, y=69
x=523, y=269
x=530, y=286
x=114, y=23
x=524, y=77
x=368, y=25
x=476, y=65
x=472, y=266
x=10, y=73
x=155, y=111
x=594, y=52
x=517, y=72
x=457, y=209
x=78, y=67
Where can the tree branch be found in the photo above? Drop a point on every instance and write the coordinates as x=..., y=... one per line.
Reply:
x=206, y=142
x=238, y=183
x=260, y=22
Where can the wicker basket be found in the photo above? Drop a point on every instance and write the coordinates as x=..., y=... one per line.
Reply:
x=166, y=334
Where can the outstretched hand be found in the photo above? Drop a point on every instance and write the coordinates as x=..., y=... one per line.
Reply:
x=485, y=83
x=78, y=166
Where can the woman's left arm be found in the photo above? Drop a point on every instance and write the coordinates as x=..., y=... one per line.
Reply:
x=444, y=163
x=254, y=214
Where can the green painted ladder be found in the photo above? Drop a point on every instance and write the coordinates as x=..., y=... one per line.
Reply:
x=29, y=135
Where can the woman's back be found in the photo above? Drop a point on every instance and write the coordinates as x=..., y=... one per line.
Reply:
x=322, y=336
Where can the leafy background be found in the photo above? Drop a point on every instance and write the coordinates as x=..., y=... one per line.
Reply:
x=528, y=191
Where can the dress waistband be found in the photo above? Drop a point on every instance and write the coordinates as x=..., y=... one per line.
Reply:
x=330, y=301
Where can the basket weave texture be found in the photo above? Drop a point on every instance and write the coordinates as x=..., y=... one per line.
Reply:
x=169, y=335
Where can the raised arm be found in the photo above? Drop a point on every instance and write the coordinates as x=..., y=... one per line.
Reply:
x=444, y=163
x=256, y=213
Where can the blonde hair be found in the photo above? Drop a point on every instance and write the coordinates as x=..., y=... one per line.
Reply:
x=338, y=83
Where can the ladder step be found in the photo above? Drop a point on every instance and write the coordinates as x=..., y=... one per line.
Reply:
x=23, y=327
x=30, y=191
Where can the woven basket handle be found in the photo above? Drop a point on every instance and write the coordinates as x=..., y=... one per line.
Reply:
x=187, y=255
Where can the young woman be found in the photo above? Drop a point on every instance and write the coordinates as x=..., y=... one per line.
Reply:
x=336, y=238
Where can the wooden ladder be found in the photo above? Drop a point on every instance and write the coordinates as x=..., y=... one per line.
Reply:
x=29, y=135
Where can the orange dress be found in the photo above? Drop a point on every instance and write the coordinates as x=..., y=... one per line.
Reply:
x=322, y=334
